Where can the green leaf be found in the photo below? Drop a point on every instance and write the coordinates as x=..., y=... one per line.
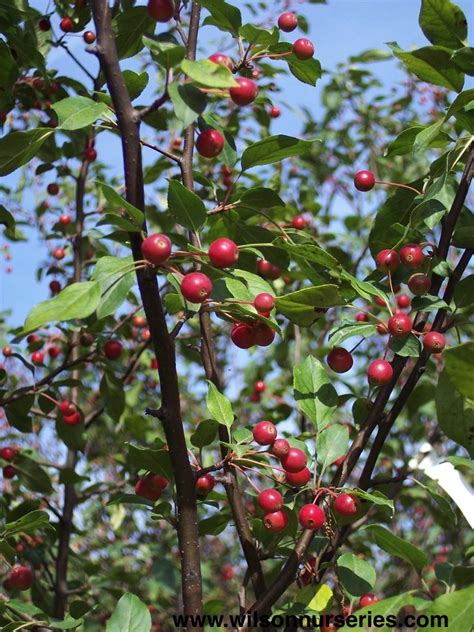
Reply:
x=219, y=406
x=464, y=59
x=457, y=608
x=6, y=218
x=443, y=23
x=205, y=433
x=432, y=64
x=78, y=112
x=168, y=53
x=464, y=292
x=260, y=197
x=455, y=412
x=376, y=498
x=29, y=523
x=207, y=73
x=156, y=461
x=129, y=28
x=349, y=330
x=113, y=395
x=135, y=82
x=215, y=524
x=18, y=148
x=273, y=149
x=465, y=98
x=117, y=201
x=115, y=276
x=32, y=475
x=186, y=207
x=258, y=36
x=78, y=300
x=463, y=237
x=306, y=70
x=321, y=599
x=224, y=16
x=305, y=306
x=130, y=615
x=409, y=346
x=459, y=366
x=188, y=102
x=331, y=443
x=314, y=393
x=424, y=136
x=309, y=253
x=357, y=576
x=398, y=547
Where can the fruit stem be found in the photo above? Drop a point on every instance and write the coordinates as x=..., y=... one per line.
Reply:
x=46, y=396
x=400, y=185
x=247, y=477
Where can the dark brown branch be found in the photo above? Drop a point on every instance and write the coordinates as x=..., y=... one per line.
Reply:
x=128, y=122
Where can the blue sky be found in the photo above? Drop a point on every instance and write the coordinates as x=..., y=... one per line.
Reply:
x=339, y=29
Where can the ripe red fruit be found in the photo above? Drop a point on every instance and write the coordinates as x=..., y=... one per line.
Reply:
x=270, y=500
x=287, y=21
x=380, y=372
x=263, y=335
x=151, y=486
x=210, y=143
x=65, y=219
x=113, y=349
x=339, y=461
x=299, y=222
x=419, y=284
x=32, y=339
x=37, y=357
x=294, y=461
x=364, y=180
x=44, y=24
x=367, y=600
x=362, y=317
x=311, y=517
x=345, y=505
x=243, y=336
x=66, y=25
x=53, y=188
x=340, y=360
x=154, y=363
x=245, y=92
x=161, y=10
x=67, y=408
x=259, y=386
x=303, y=48
x=7, y=351
x=298, y=479
x=434, y=342
x=20, y=578
x=227, y=572
x=382, y=329
x=223, y=253
x=72, y=420
x=59, y=253
x=89, y=37
x=276, y=521
x=403, y=301
x=196, y=287
x=8, y=454
x=156, y=248
x=280, y=448
x=399, y=325
x=267, y=269
x=55, y=287
x=9, y=471
x=264, y=303
x=54, y=351
x=387, y=260
x=274, y=112
x=412, y=256
x=90, y=154
x=220, y=58
x=205, y=484
x=264, y=433
x=139, y=321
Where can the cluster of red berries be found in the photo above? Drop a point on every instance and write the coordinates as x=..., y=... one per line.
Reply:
x=71, y=415
x=9, y=454
x=151, y=486
x=258, y=388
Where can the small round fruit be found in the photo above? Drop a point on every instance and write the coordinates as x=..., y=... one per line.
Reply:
x=287, y=21
x=276, y=521
x=364, y=180
x=411, y=255
x=298, y=479
x=267, y=269
x=294, y=461
x=161, y=10
x=44, y=24
x=263, y=335
x=65, y=219
x=87, y=339
x=280, y=448
x=55, y=287
x=151, y=486
x=387, y=260
x=54, y=351
x=7, y=352
x=434, y=342
x=243, y=336
x=399, y=325
x=89, y=37
x=59, y=253
x=340, y=360
x=20, y=578
x=223, y=60
x=223, y=253
x=270, y=500
x=245, y=92
x=66, y=25
x=210, y=143
x=311, y=517
x=90, y=154
x=196, y=287
x=264, y=433
x=264, y=303
x=274, y=112
x=67, y=408
x=156, y=248
x=367, y=600
x=9, y=471
x=259, y=386
x=53, y=188
x=380, y=372
x=72, y=420
x=113, y=349
x=403, y=301
x=362, y=317
x=298, y=222
x=303, y=48
x=37, y=357
x=345, y=505
x=205, y=484
x=419, y=284
x=382, y=329
x=8, y=454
